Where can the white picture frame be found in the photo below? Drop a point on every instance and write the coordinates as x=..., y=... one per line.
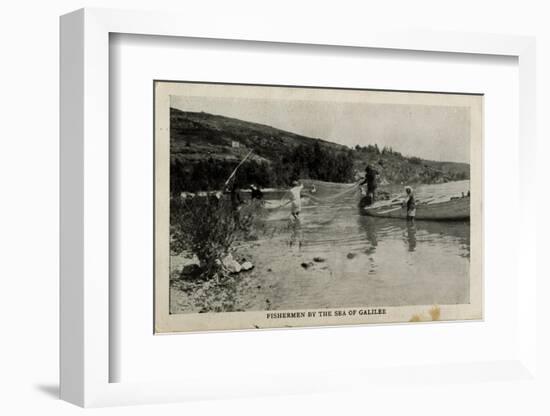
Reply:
x=85, y=220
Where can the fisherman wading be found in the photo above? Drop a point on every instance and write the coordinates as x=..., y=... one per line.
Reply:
x=410, y=203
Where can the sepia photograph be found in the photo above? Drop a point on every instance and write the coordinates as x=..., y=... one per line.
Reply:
x=280, y=207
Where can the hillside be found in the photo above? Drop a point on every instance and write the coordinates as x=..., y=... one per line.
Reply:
x=395, y=168
x=196, y=136
x=205, y=148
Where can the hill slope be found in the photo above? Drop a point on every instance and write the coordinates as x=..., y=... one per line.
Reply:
x=196, y=136
x=395, y=168
x=205, y=148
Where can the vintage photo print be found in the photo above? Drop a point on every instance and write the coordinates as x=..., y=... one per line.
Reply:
x=280, y=206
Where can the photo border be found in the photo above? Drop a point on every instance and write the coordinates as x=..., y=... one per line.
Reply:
x=166, y=322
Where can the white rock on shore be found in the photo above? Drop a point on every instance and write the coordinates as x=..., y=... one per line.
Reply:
x=247, y=266
x=231, y=264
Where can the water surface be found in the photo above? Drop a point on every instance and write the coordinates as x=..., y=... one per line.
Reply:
x=339, y=258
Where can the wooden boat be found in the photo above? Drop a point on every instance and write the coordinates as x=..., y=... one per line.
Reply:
x=452, y=210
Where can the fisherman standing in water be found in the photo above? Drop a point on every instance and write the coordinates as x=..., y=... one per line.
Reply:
x=256, y=193
x=295, y=199
x=410, y=204
x=295, y=196
x=370, y=180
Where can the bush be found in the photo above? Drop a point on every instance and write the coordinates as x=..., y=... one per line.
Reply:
x=206, y=226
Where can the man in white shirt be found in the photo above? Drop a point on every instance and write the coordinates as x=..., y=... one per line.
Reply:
x=295, y=199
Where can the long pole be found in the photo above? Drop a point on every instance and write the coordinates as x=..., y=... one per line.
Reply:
x=235, y=170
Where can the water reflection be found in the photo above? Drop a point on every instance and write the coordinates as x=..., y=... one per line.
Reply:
x=446, y=234
x=370, y=227
x=411, y=234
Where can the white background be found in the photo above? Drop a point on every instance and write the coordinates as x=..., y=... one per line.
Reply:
x=29, y=209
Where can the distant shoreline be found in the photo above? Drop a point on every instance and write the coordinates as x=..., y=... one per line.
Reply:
x=275, y=190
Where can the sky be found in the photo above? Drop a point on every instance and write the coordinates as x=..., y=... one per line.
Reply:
x=431, y=132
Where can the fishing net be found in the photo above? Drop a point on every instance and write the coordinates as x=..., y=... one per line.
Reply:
x=317, y=192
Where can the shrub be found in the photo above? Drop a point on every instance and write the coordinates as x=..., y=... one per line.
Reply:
x=206, y=226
